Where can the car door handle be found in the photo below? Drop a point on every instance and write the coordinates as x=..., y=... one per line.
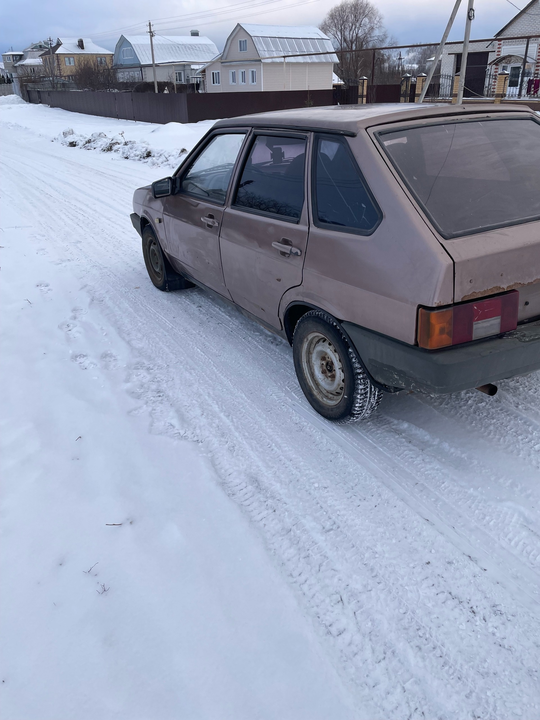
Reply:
x=286, y=249
x=210, y=221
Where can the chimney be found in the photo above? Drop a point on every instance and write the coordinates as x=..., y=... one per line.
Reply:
x=195, y=33
x=80, y=43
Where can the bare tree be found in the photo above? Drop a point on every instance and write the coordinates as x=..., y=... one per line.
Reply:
x=29, y=75
x=354, y=25
x=89, y=75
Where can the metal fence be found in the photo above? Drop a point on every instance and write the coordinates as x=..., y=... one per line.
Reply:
x=182, y=107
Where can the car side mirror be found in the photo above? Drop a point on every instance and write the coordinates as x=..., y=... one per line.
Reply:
x=162, y=188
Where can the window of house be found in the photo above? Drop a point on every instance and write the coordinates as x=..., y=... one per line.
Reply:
x=69, y=60
x=272, y=180
x=341, y=200
x=210, y=174
x=242, y=45
x=515, y=72
x=101, y=61
x=127, y=52
x=179, y=76
x=252, y=77
x=8, y=58
x=216, y=77
x=242, y=77
x=233, y=77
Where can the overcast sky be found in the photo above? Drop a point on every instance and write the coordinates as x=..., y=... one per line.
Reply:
x=409, y=21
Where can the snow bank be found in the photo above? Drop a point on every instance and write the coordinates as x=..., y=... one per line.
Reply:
x=11, y=100
x=158, y=145
x=119, y=144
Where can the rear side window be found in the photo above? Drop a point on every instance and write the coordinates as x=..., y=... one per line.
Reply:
x=210, y=174
x=471, y=176
x=272, y=181
x=341, y=200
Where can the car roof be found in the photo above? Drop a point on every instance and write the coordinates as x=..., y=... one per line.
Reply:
x=349, y=119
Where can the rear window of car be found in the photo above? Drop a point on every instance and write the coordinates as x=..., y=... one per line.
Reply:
x=470, y=176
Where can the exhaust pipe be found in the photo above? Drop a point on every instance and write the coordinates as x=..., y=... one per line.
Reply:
x=488, y=389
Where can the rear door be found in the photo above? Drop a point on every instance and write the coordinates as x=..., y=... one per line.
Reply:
x=265, y=230
x=193, y=215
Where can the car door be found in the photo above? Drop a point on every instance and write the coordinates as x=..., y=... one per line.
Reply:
x=264, y=231
x=193, y=214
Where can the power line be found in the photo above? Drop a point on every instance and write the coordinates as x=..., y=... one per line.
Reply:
x=191, y=17
x=264, y=12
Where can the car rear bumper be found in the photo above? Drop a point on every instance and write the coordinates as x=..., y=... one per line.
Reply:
x=400, y=366
x=136, y=222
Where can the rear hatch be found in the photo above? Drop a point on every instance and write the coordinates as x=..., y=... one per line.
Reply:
x=478, y=182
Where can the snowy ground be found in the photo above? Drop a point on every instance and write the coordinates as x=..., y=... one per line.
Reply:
x=182, y=537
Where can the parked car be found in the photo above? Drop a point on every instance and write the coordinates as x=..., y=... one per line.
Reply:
x=394, y=246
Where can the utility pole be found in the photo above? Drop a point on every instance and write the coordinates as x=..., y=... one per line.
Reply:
x=152, y=33
x=463, y=68
x=439, y=52
x=51, y=61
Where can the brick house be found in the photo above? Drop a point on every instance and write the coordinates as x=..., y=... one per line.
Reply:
x=70, y=53
x=487, y=59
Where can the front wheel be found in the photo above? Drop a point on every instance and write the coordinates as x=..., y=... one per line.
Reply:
x=158, y=267
x=329, y=371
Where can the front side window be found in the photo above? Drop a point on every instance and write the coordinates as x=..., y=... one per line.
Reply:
x=69, y=61
x=471, y=176
x=242, y=77
x=341, y=200
x=210, y=174
x=253, y=77
x=8, y=58
x=101, y=61
x=179, y=74
x=272, y=181
x=242, y=45
x=127, y=52
x=216, y=77
x=233, y=77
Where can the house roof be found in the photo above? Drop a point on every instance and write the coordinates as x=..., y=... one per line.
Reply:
x=30, y=61
x=172, y=49
x=516, y=16
x=69, y=47
x=272, y=42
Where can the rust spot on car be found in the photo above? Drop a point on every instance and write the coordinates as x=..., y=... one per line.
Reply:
x=498, y=289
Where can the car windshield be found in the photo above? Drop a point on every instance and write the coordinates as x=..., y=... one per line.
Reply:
x=471, y=176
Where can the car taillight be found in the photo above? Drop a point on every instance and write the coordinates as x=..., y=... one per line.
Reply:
x=468, y=321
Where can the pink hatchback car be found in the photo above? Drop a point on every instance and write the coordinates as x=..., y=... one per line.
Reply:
x=394, y=246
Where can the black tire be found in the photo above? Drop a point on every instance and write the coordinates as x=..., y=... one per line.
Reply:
x=158, y=267
x=329, y=371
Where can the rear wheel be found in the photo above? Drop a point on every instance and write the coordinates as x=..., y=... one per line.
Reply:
x=158, y=267
x=329, y=371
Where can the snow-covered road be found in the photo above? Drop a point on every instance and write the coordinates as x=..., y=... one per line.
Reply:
x=405, y=551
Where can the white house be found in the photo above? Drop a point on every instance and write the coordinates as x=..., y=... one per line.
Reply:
x=487, y=59
x=25, y=64
x=178, y=59
x=272, y=57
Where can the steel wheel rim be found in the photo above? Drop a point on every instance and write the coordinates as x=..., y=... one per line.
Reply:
x=323, y=369
x=154, y=257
